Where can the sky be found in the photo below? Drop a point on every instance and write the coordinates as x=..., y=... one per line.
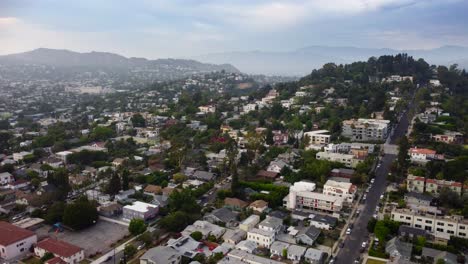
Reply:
x=185, y=28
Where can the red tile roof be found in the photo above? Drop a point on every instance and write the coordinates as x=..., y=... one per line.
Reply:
x=423, y=151
x=58, y=247
x=55, y=260
x=10, y=234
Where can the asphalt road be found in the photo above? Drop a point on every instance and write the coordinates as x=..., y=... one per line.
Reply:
x=352, y=243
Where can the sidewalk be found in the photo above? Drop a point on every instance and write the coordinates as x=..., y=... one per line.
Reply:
x=104, y=257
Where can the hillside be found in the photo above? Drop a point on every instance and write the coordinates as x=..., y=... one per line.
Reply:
x=302, y=61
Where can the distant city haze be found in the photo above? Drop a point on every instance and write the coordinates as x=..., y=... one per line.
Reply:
x=256, y=36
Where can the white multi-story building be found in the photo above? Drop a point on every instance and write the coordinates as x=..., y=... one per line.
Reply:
x=366, y=129
x=441, y=227
x=15, y=241
x=271, y=224
x=301, y=197
x=347, y=159
x=345, y=190
x=140, y=210
x=318, y=137
x=263, y=238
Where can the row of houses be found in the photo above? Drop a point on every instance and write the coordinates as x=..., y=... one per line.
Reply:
x=433, y=186
x=16, y=242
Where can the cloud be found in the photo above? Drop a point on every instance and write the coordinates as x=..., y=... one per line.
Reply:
x=8, y=21
x=279, y=15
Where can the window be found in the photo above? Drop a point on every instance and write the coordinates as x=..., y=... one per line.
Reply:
x=461, y=227
x=440, y=229
x=419, y=219
x=440, y=224
x=408, y=218
x=462, y=234
x=418, y=226
x=428, y=222
x=450, y=232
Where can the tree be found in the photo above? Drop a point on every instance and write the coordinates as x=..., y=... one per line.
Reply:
x=80, y=214
x=114, y=185
x=47, y=256
x=371, y=225
x=440, y=261
x=197, y=235
x=138, y=120
x=285, y=252
x=176, y=221
x=403, y=158
x=179, y=177
x=55, y=213
x=137, y=226
x=130, y=250
x=146, y=238
x=125, y=180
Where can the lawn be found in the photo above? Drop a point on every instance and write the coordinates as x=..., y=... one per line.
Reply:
x=373, y=261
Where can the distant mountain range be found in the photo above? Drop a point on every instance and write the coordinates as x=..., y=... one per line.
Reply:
x=302, y=61
x=66, y=58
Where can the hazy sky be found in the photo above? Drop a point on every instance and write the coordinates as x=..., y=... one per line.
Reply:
x=180, y=28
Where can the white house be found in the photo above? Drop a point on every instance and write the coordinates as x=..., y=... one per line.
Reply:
x=140, y=210
x=15, y=241
x=67, y=252
x=249, y=223
x=261, y=237
x=6, y=178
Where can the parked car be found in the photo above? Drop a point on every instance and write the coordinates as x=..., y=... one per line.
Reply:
x=348, y=231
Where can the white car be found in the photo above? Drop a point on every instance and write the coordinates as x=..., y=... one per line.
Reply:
x=381, y=197
x=348, y=231
x=372, y=180
x=364, y=244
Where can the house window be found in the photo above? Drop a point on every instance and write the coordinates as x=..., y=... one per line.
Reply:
x=440, y=224
x=462, y=234
x=418, y=226
x=450, y=232
x=440, y=229
x=428, y=222
x=462, y=227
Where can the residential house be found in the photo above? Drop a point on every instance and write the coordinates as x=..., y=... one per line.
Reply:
x=206, y=228
x=247, y=245
x=295, y=252
x=398, y=249
x=152, y=190
x=237, y=256
x=308, y=235
x=186, y=246
x=249, y=223
x=110, y=209
x=430, y=255
x=203, y=175
x=234, y=236
x=222, y=215
x=161, y=255
x=6, y=178
x=423, y=155
x=280, y=138
x=320, y=221
x=418, y=198
x=123, y=195
x=314, y=256
x=449, y=137
x=15, y=241
x=266, y=175
x=277, y=248
x=235, y=204
x=67, y=252
x=342, y=173
x=259, y=206
x=276, y=165
x=262, y=237
x=271, y=223
x=140, y=210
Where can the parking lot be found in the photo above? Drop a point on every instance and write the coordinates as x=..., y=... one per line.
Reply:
x=98, y=238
